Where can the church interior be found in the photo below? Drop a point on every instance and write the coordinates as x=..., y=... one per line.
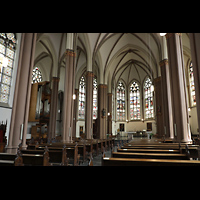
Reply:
x=99, y=99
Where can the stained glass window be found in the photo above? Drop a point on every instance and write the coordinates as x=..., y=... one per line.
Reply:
x=192, y=87
x=134, y=101
x=36, y=75
x=148, y=95
x=95, y=106
x=82, y=89
x=120, y=102
x=7, y=53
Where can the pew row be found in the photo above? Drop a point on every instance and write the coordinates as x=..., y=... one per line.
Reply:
x=190, y=150
x=149, y=150
x=147, y=162
x=150, y=155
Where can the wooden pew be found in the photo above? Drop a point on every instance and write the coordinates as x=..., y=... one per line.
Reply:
x=7, y=156
x=24, y=159
x=150, y=155
x=147, y=162
x=149, y=151
x=7, y=163
x=128, y=145
x=56, y=157
x=70, y=149
x=10, y=159
x=36, y=159
x=55, y=154
x=190, y=150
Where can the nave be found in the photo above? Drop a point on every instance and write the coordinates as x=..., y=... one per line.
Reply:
x=118, y=151
x=86, y=89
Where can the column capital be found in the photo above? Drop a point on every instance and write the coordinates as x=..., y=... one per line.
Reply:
x=163, y=62
x=89, y=73
x=156, y=80
x=70, y=52
x=168, y=35
x=102, y=86
x=56, y=79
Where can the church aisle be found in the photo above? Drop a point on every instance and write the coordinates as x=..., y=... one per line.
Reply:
x=97, y=159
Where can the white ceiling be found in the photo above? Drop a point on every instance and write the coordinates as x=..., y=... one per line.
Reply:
x=111, y=56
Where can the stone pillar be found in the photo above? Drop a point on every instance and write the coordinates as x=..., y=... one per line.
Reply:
x=53, y=108
x=159, y=106
x=168, y=129
x=68, y=103
x=195, y=52
x=178, y=87
x=76, y=100
x=110, y=116
x=21, y=102
x=102, y=111
x=89, y=106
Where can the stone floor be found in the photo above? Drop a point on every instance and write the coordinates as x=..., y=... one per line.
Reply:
x=97, y=159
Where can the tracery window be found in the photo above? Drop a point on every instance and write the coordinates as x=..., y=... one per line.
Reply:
x=95, y=106
x=7, y=53
x=120, y=101
x=148, y=95
x=192, y=87
x=36, y=75
x=134, y=101
x=82, y=89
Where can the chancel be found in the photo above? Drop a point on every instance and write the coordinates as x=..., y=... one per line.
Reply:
x=99, y=99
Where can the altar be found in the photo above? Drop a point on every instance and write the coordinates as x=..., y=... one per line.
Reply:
x=131, y=134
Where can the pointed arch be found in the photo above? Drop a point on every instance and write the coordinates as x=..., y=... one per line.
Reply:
x=135, y=100
x=192, y=86
x=148, y=98
x=120, y=105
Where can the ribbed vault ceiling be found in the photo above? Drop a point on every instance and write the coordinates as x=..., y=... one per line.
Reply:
x=124, y=56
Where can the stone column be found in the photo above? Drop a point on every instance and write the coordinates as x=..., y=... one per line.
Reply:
x=68, y=103
x=76, y=100
x=102, y=111
x=21, y=102
x=168, y=129
x=195, y=52
x=159, y=106
x=178, y=87
x=53, y=107
x=110, y=116
x=89, y=106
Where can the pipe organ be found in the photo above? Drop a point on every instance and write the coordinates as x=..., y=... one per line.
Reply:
x=39, y=110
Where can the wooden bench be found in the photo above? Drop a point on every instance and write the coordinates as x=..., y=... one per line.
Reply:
x=9, y=159
x=81, y=148
x=57, y=157
x=147, y=162
x=128, y=145
x=36, y=159
x=149, y=151
x=191, y=150
x=7, y=163
x=7, y=156
x=55, y=154
x=150, y=155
